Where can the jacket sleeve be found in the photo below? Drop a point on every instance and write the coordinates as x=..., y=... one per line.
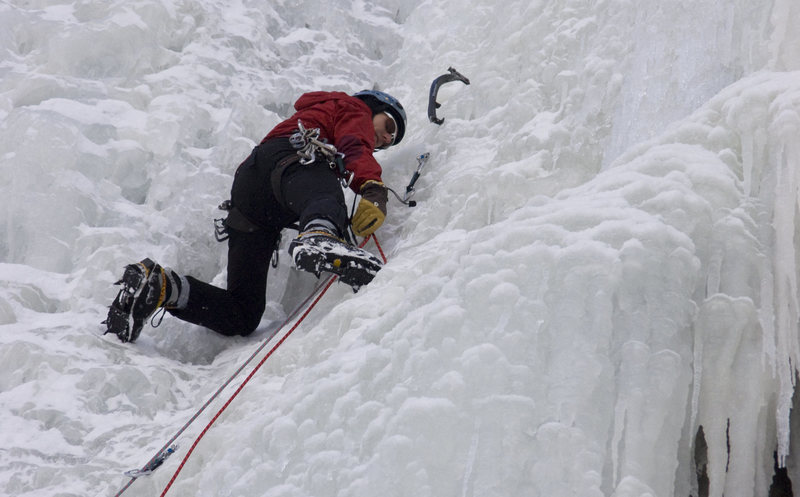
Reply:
x=354, y=136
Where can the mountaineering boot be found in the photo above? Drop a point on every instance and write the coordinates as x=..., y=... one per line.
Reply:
x=146, y=287
x=318, y=248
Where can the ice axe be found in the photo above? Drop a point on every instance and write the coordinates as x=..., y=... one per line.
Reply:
x=406, y=199
x=452, y=75
x=422, y=159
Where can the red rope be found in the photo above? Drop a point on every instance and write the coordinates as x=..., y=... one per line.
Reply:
x=380, y=249
x=252, y=373
x=222, y=387
x=256, y=368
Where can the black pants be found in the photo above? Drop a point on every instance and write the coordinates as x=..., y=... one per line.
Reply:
x=273, y=198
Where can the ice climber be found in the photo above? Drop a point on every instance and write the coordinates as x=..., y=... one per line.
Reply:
x=292, y=178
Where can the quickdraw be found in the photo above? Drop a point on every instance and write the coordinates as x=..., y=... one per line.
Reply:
x=154, y=463
x=308, y=144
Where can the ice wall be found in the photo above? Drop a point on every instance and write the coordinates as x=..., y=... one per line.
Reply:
x=745, y=333
x=602, y=259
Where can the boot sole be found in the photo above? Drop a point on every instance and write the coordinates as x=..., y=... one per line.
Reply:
x=121, y=318
x=353, y=271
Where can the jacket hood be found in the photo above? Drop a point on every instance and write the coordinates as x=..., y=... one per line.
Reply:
x=317, y=97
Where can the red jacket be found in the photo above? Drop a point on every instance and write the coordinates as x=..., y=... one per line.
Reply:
x=344, y=121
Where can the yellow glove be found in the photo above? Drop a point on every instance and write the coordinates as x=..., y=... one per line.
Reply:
x=371, y=209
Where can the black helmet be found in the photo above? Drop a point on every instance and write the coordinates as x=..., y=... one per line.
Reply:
x=379, y=102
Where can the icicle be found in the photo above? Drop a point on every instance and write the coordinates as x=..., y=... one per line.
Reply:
x=787, y=309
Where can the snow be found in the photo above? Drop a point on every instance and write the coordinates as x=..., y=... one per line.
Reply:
x=601, y=262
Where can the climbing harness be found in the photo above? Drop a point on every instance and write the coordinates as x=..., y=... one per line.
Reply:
x=452, y=75
x=308, y=144
x=170, y=447
x=239, y=222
